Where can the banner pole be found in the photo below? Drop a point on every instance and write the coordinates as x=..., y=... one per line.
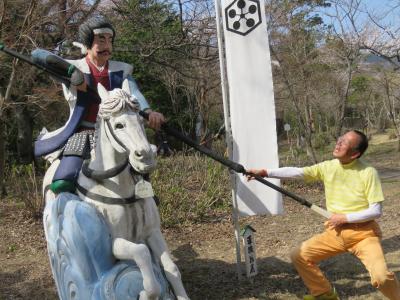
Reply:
x=228, y=133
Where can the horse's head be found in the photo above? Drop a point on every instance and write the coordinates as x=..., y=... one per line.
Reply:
x=118, y=113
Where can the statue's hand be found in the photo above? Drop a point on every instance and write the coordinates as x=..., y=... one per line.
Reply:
x=82, y=87
x=77, y=79
x=156, y=119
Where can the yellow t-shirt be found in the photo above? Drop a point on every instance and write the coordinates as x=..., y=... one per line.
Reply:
x=348, y=188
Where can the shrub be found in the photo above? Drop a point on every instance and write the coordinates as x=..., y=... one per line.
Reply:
x=25, y=186
x=321, y=139
x=191, y=188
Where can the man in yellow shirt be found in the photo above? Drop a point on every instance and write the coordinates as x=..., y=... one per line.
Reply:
x=354, y=197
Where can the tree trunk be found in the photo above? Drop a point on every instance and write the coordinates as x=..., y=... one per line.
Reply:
x=310, y=149
x=24, y=138
x=309, y=128
x=343, y=102
x=2, y=158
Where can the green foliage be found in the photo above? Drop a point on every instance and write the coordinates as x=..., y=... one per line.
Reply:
x=144, y=29
x=321, y=139
x=11, y=248
x=191, y=188
x=360, y=83
x=360, y=86
x=150, y=37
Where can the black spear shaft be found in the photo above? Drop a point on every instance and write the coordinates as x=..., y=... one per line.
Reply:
x=238, y=168
x=55, y=75
x=28, y=60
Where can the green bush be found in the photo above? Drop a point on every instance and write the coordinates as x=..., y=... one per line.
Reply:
x=321, y=139
x=191, y=188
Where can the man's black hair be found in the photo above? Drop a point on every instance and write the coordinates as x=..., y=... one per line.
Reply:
x=363, y=144
x=86, y=35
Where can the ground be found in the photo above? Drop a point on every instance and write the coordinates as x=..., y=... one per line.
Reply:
x=205, y=253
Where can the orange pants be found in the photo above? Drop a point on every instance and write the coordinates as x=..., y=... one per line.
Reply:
x=363, y=240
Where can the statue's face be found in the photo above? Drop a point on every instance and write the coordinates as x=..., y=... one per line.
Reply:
x=102, y=46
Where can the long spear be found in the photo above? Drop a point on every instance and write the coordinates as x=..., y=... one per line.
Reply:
x=29, y=60
x=238, y=168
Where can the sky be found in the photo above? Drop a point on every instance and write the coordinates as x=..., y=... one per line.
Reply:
x=385, y=10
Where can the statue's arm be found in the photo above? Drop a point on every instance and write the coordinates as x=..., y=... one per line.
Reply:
x=156, y=119
x=135, y=92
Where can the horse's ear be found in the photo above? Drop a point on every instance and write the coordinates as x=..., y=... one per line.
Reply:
x=103, y=93
x=125, y=86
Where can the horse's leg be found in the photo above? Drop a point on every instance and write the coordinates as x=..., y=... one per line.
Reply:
x=159, y=247
x=123, y=249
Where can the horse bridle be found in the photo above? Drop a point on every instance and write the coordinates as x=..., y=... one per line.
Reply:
x=99, y=175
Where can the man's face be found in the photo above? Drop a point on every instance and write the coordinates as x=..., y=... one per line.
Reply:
x=345, y=147
x=102, y=46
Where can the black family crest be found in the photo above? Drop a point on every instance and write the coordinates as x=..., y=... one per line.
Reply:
x=242, y=16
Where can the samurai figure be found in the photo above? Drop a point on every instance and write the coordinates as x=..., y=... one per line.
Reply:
x=73, y=141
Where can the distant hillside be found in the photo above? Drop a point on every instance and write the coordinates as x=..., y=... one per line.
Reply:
x=373, y=59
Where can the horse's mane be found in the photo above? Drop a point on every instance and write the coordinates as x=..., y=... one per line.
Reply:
x=118, y=100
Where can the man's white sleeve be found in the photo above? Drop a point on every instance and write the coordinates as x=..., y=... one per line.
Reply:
x=374, y=211
x=286, y=172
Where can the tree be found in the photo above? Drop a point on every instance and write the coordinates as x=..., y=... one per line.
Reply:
x=346, y=39
x=175, y=54
x=25, y=25
x=391, y=100
x=294, y=37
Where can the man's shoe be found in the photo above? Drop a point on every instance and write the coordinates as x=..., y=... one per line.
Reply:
x=60, y=186
x=332, y=295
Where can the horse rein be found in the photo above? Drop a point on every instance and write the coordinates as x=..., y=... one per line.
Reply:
x=101, y=175
x=104, y=199
x=114, y=171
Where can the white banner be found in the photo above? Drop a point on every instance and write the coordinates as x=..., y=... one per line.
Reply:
x=251, y=101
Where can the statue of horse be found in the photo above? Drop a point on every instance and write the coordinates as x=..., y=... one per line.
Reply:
x=112, y=182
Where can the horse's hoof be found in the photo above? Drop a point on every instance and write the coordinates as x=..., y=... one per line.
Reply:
x=144, y=296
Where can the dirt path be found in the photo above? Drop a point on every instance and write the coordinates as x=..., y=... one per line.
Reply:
x=387, y=173
x=214, y=258
x=205, y=254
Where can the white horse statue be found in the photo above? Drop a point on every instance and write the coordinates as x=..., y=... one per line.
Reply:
x=113, y=183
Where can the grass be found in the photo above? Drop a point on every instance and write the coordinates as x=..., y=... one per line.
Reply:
x=24, y=185
x=192, y=188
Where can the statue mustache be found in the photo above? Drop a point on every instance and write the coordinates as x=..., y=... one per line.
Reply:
x=104, y=52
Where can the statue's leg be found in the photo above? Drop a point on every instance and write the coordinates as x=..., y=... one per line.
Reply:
x=159, y=247
x=67, y=173
x=123, y=249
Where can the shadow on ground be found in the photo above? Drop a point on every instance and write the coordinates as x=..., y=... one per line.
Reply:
x=215, y=279
x=277, y=279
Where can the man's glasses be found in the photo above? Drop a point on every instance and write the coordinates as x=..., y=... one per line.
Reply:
x=342, y=141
